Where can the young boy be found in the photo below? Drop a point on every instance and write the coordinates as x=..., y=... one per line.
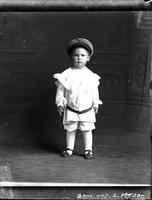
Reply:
x=77, y=96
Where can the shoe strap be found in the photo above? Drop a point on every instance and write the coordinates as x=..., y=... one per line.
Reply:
x=68, y=149
x=88, y=152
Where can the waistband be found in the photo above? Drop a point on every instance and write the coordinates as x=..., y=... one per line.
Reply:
x=79, y=112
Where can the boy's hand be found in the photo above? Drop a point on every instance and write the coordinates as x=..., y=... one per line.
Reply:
x=60, y=109
x=96, y=109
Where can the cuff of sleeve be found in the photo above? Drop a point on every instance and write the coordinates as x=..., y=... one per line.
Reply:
x=97, y=103
x=61, y=102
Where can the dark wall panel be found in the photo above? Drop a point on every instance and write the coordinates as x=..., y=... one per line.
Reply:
x=32, y=49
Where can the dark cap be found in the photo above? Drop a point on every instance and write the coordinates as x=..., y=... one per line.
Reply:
x=80, y=42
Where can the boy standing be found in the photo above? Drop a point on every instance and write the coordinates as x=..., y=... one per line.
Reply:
x=77, y=96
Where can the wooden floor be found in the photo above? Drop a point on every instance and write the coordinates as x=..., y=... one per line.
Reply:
x=32, y=156
x=121, y=157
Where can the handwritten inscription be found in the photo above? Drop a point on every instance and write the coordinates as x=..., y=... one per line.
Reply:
x=114, y=196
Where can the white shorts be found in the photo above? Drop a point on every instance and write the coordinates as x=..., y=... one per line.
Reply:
x=83, y=126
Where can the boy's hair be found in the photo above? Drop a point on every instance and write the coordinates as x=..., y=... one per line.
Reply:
x=80, y=42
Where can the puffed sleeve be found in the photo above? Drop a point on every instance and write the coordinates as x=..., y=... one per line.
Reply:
x=60, y=99
x=95, y=91
x=62, y=78
x=61, y=84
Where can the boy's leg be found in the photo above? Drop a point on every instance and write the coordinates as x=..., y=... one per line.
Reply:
x=88, y=139
x=70, y=141
x=71, y=128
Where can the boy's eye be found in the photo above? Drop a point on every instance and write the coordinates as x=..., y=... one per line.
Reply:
x=79, y=55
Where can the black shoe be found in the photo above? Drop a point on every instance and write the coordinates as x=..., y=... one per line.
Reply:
x=88, y=154
x=66, y=154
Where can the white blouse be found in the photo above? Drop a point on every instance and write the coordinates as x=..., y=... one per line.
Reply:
x=78, y=88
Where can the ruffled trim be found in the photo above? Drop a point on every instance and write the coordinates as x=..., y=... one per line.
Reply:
x=64, y=79
x=61, y=80
x=96, y=79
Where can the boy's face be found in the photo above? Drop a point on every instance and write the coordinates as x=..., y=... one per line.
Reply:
x=80, y=57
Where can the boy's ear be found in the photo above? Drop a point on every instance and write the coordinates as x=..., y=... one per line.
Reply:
x=88, y=59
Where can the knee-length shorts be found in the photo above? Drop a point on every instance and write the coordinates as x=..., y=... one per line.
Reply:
x=82, y=126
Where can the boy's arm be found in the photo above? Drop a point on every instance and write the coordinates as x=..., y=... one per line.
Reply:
x=96, y=100
x=60, y=99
